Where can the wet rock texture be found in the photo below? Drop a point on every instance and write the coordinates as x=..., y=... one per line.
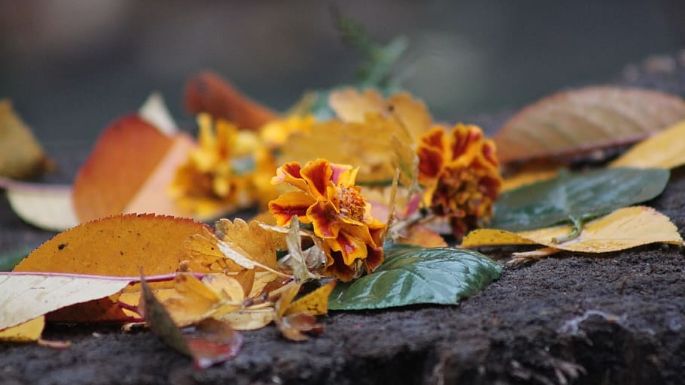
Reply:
x=614, y=319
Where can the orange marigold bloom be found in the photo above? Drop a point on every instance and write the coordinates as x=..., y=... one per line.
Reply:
x=327, y=198
x=460, y=173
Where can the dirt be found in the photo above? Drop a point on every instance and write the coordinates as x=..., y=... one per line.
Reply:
x=573, y=319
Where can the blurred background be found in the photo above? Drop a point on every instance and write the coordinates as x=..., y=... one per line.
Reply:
x=72, y=66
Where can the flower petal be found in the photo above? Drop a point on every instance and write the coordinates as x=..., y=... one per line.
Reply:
x=336, y=267
x=374, y=258
x=434, y=138
x=289, y=204
x=290, y=173
x=343, y=174
x=318, y=174
x=351, y=247
x=463, y=136
x=431, y=162
x=324, y=217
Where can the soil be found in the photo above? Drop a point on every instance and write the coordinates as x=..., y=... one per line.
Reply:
x=572, y=319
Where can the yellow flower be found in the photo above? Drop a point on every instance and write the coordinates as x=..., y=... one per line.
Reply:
x=460, y=173
x=225, y=172
x=327, y=198
x=276, y=133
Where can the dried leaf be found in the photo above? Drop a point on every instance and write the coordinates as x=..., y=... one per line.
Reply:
x=665, y=149
x=119, y=245
x=294, y=326
x=194, y=300
x=29, y=331
x=212, y=341
x=48, y=207
x=622, y=229
x=260, y=244
x=420, y=235
x=577, y=122
x=21, y=156
x=27, y=296
x=352, y=105
x=377, y=147
x=250, y=319
x=208, y=92
x=155, y=112
x=313, y=303
x=123, y=158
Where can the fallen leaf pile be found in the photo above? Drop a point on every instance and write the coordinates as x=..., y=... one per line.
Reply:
x=358, y=193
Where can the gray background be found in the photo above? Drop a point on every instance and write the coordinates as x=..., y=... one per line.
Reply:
x=71, y=66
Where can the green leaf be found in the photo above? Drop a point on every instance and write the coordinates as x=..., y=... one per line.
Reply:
x=414, y=275
x=576, y=197
x=10, y=258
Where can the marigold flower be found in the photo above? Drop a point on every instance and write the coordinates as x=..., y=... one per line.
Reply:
x=460, y=173
x=224, y=172
x=326, y=197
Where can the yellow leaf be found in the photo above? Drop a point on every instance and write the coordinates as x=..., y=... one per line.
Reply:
x=351, y=105
x=20, y=154
x=260, y=244
x=377, y=146
x=622, y=229
x=313, y=303
x=665, y=149
x=250, y=319
x=287, y=296
x=28, y=331
x=27, y=296
x=196, y=300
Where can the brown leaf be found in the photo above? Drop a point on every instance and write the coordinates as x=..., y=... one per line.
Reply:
x=208, y=92
x=21, y=156
x=211, y=342
x=573, y=123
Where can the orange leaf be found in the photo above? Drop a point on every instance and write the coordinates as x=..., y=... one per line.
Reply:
x=208, y=92
x=577, y=122
x=125, y=155
x=120, y=245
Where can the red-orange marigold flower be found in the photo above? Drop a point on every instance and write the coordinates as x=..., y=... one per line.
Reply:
x=327, y=198
x=460, y=173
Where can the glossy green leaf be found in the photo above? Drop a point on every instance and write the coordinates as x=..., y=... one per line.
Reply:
x=576, y=197
x=414, y=275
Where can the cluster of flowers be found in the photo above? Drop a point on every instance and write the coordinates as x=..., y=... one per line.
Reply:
x=456, y=169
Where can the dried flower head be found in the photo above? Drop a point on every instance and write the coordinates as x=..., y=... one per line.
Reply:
x=326, y=197
x=460, y=173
